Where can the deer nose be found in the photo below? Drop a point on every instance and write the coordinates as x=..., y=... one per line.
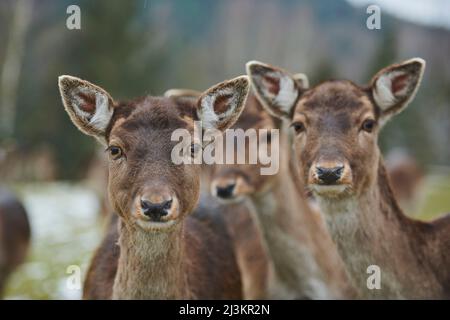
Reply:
x=329, y=175
x=156, y=211
x=226, y=192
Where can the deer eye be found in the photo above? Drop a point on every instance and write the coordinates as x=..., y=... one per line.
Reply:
x=298, y=126
x=195, y=148
x=115, y=152
x=368, y=125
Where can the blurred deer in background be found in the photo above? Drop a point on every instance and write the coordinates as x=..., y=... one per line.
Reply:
x=406, y=178
x=164, y=251
x=304, y=263
x=336, y=126
x=250, y=253
x=15, y=235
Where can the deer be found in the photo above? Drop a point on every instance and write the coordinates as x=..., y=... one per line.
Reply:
x=164, y=251
x=303, y=261
x=15, y=235
x=335, y=127
x=250, y=253
x=407, y=179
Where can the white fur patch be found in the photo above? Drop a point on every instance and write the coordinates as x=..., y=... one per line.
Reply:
x=103, y=112
x=287, y=95
x=303, y=79
x=383, y=91
x=321, y=189
x=209, y=117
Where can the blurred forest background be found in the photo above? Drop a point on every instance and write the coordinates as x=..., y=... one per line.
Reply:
x=134, y=48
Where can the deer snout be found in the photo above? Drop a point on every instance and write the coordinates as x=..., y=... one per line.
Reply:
x=329, y=175
x=156, y=211
x=227, y=191
x=230, y=188
x=157, y=204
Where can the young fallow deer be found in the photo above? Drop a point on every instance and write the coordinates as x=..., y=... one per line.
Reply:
x=164, y=252
x=15, y=235
x=336, y=125
x=250, y=253
x=304, y=262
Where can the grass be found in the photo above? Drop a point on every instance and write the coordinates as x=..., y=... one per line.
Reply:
x=65, y=232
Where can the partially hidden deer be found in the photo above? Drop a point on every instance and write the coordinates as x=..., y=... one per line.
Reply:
x=407, y=180
x=336, y=126
x=164, y=252
x=250, y=253
x=304, y=263
x=15, y=235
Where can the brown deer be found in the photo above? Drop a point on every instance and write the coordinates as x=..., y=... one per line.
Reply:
x=407, y=180
x=164, y=251
x=15, y=235
x=250, y=254
x=336, y=125
x=304, y=262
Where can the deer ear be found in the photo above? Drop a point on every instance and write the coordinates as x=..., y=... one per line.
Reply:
x=276, y=88
x=182, y=93
x=90, y=107
x=395, y=86
x=220, y=106
x=187, y=95
x=302, y=80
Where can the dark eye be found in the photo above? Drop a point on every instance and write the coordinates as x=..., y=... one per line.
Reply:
x=368, y=125
x=194, y=149
x=298, y=127
x=115, y=152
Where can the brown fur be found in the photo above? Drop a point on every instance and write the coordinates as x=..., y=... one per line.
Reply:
x=15, y=235
x=180, y=256
x=406, y=178
x=99, y=281
x=304, y=262
x=361, y=211
x=251, y=255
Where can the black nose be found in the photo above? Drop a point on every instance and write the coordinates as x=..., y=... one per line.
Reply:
x=156, y=210
x=226, y=192
x=329, y=175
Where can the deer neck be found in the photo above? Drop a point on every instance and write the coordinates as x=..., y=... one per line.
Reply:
x=150, y=264
x=294, y=271
x=372, y=230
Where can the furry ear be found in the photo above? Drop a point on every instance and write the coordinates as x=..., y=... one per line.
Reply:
x=90, y=107
x=221, y=105
x=276, y=88
x=395, y=86
x=302, y=80
x=183, y=95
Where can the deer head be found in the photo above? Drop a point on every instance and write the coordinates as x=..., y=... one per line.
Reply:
x=145, y=187
x=236, y=181
x=336, y=123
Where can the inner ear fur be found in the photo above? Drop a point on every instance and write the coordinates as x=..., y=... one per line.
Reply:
x=395, y=86
x=89, y=107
